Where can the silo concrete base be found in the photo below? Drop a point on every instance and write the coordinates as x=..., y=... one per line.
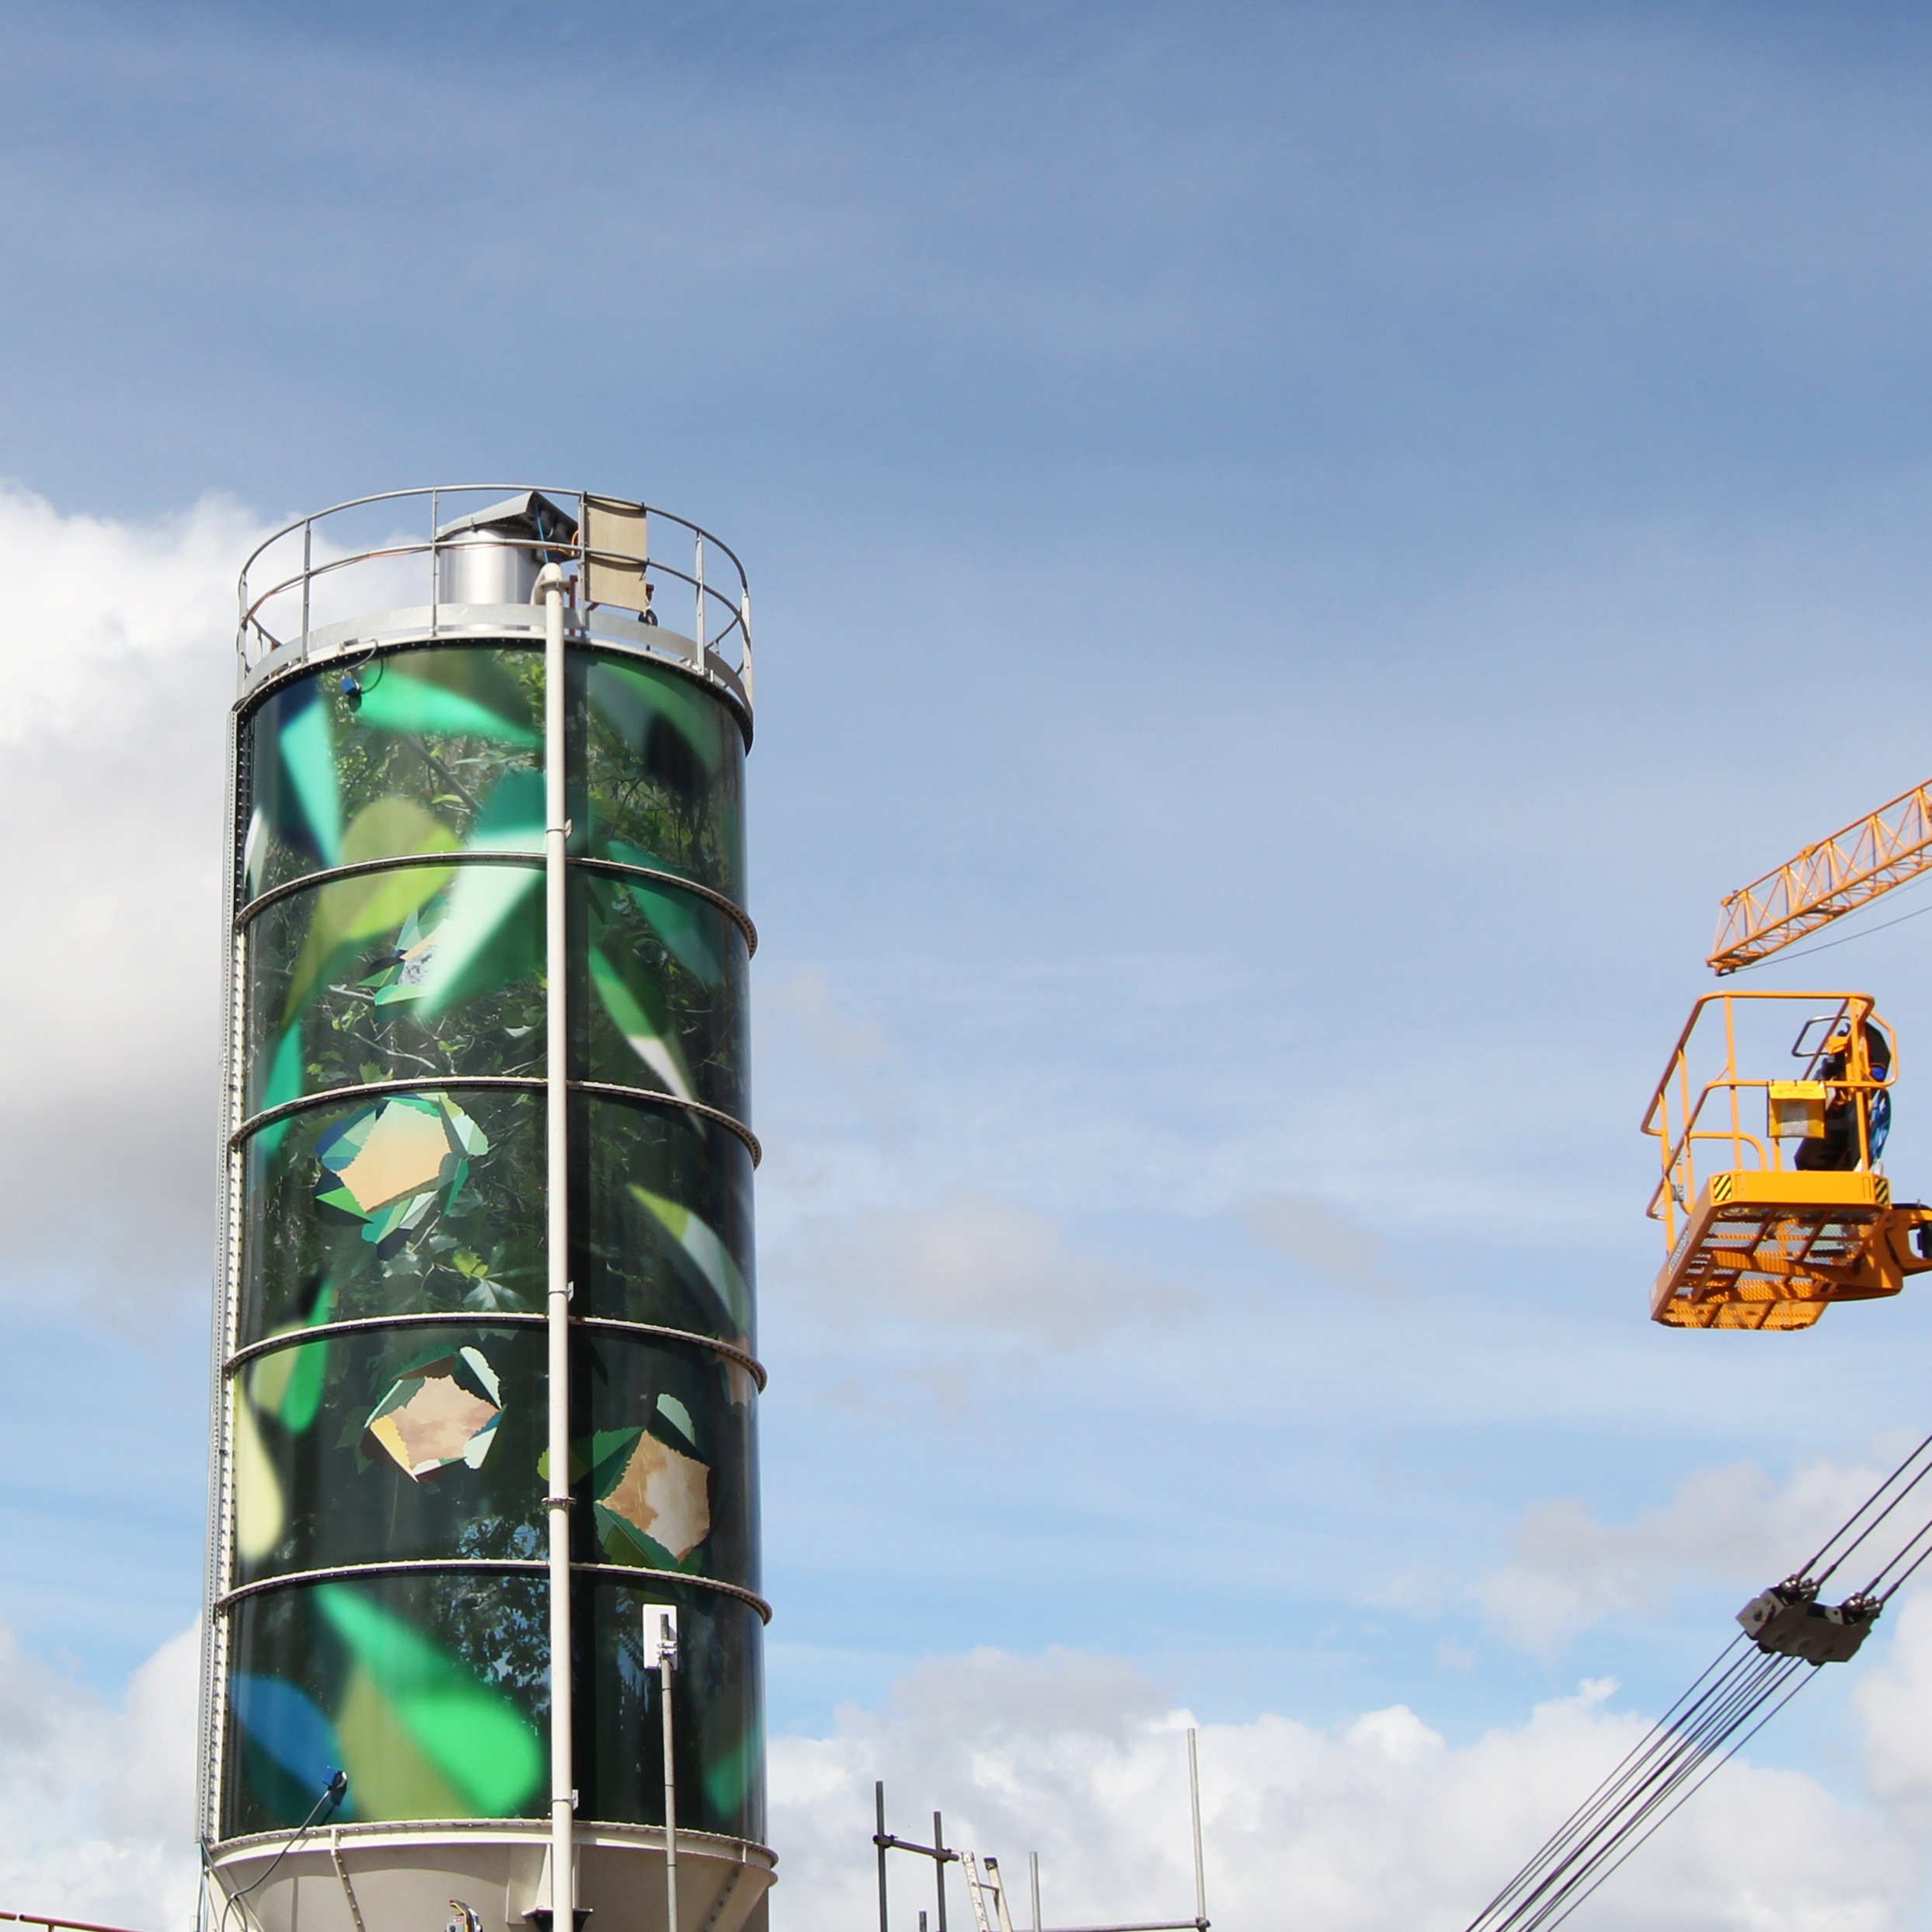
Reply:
x=393, y=1878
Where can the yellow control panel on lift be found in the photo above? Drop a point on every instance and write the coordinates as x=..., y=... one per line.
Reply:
x=1774, y=1202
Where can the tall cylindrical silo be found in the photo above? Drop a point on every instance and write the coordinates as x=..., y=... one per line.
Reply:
x=489, y=1173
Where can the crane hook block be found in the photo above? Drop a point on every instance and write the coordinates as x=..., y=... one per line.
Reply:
x=1773, y=1200
x=1787, y=1620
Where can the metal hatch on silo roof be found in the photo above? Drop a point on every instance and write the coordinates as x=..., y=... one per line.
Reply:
x=492, y=555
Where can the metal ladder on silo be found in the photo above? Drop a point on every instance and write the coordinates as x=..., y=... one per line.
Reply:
x=983, y=1888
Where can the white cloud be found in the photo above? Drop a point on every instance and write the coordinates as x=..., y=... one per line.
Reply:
x=1322, y=1238
x=803, y=1011
x=96, y=1803
x=1378, y=1825
x=1896, y=1704
x=117, y=655
x=1568, y=1570
x=110, y=622
x=976, y=1261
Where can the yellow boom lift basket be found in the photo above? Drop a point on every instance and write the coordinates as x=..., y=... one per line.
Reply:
x=1773, y=1202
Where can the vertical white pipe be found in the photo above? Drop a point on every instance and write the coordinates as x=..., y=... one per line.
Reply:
x=697, y=586
x=550, y=585
x=671, y=1794
x=1194, y=1800
x=744, y=624
x=1033, y=1867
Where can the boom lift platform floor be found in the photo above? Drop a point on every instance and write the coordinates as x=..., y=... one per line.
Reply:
x=1775, y=1249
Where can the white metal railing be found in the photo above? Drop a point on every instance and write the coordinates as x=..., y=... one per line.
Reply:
x=382, y=552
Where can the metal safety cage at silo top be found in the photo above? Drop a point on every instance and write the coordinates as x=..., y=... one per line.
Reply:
x=372, y=566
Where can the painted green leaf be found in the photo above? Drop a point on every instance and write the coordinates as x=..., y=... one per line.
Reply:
x=306, y=748
x=287, y=1384
x=351, y=908
x=644, y=705
x=285, y=1083
x=481, y=942
x=453, y=694
x=685, y=925
x=469, y=1734
x=510, y=818
x=261, y=1513
x=700, y=1245
x=640, y=1015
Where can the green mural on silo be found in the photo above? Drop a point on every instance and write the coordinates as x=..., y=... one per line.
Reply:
x=384, y=1593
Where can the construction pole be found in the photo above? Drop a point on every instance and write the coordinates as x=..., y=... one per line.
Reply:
x=939, y=1867
x=1200, y=1868
x=667, y=1657
x=550, y=588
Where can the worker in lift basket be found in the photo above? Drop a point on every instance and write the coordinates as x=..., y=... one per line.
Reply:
x=1835, y=1150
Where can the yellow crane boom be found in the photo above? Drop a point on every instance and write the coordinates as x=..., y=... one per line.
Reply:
x=1869, y=856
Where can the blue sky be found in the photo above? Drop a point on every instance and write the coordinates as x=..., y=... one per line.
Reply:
x=1296, y=553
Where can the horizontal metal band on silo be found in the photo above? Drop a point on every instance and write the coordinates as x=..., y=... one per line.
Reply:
x=268, y=1344
x=506, y=1566
x=504, y=1082
x=615, y=868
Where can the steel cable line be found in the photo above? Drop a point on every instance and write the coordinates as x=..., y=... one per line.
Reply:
x=1691, y=1748
x=1689, y=1781
x=1604, y=1793
x=1697, y=1759
x=1634, y=1764
x=1641, y=1768
x=1806, y=1569
x=1729, y=1702
x=1915, y=1562
x=1727, y=1708
x=1580, y=1818
x=1725, y=1703
x=1918, y=1536
x=1803, y=1676
x=333, y=1794
x=1563, y=1884
x=1872, y=1592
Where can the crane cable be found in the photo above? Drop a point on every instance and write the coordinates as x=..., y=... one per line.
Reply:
x=1743, y=1687
x=1580, y=1821
x=1624, y=1809
x=1685, y=1765
x=1831, y=1541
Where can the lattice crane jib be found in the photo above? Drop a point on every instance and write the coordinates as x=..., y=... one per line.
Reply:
x=1889, y=847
